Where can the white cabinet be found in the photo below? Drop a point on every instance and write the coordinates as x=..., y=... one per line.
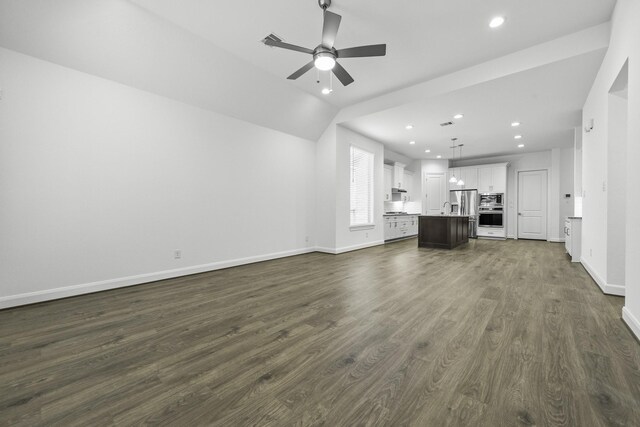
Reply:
x=400, y=226
x=388, y=180
x=398, y=175
x=485, y=180
x=573, y=237
x=469, y=176
x=499, y=176
x=492, y=179
x=492, y=232
x=407, y=182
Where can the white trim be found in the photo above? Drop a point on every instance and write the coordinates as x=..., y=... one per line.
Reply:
x=605, y=287
x=103, y=285
x=632, y=321
x=362, y=227
x=344, y=249
x=558, y=240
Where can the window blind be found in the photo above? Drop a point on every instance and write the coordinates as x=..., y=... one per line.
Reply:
x=361, y=187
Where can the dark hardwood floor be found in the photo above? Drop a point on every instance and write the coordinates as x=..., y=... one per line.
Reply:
x=489, y=334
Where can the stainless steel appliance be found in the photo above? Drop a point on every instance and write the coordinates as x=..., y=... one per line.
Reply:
x=491, y=210
x=491, y=199
x=465, y=202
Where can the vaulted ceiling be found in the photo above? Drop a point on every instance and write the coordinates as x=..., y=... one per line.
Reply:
x=208, y=53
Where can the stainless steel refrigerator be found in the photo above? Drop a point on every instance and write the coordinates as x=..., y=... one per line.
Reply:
x=465, y=202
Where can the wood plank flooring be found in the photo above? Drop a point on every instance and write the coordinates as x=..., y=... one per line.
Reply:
x=489, y=334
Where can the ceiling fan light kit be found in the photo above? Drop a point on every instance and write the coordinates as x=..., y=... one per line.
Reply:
x=325, y=56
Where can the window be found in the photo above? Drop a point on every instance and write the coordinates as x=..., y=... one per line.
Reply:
x=361, y=205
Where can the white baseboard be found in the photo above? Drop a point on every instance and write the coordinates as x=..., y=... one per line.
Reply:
x=631, y=321
x=607, y=288
x=556, y=240
x=344, y=249
x=86, y=288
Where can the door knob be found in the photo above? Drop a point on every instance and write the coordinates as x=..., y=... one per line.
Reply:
x=519, y=213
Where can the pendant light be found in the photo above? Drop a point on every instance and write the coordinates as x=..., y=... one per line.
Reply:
x=460, y=181
x=453, y=178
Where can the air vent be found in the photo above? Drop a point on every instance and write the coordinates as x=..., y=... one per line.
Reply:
x=446, y=124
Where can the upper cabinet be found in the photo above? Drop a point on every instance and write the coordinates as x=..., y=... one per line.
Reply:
x=407, y=182
x=492, y=179
x=469, y=176
x=398, y=175
x=388, y=182
x=485, y=178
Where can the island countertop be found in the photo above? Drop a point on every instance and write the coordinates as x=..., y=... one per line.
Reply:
x=445, y=216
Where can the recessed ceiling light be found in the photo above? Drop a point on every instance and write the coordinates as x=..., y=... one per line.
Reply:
x=412, y=142
x=517, y=137
x=458, y=116
x=326, y=91
x=496, y=22
x=408, y=127
x=427, y=151
x=520, y=145
x=515, y=124
x=438, y=157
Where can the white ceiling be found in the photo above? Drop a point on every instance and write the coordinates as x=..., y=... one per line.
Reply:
x=208, y=53
x=425, y=39
x=547, y=101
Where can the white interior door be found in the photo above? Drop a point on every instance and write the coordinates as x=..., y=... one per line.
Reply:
x=532, y=205
x=436, y=193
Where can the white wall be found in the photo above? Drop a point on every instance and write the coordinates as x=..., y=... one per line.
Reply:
x=559, y=171
x=123, y=42
x=347, y=239
x=617, y=189
x=100, y=183
x=566, y=186
x=624, y=45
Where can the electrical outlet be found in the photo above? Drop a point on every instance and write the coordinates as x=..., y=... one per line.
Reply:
x=177, y=254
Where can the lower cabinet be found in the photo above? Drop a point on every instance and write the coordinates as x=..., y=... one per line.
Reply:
x=400, y=226
x=492, y=232
x=573, y=237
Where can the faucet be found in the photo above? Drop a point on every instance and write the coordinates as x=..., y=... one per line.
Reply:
x=445, y=204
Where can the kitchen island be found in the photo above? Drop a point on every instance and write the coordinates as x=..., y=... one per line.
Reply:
x=443, y=231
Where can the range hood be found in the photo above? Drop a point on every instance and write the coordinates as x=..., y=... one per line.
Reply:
x=398, y=190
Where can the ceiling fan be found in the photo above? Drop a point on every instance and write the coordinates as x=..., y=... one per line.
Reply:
x=325, y=55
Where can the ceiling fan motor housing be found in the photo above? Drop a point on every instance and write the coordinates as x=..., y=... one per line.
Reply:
x=321, y=51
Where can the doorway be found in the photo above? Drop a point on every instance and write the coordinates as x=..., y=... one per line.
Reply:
x=532, y=205
x=436, y=193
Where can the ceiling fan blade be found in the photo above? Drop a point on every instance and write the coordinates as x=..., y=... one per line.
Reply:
x=283, y=45
x=330, y=28
x=301, y=71
x=362, y=51
x=342, y=75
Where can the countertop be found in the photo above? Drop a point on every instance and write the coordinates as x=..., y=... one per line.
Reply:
x=446, y=216
x=574, y=217
x=400, y=214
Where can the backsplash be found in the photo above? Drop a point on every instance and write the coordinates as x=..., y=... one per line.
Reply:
x=408, y=207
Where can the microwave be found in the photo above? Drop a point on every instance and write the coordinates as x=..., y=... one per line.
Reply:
x=491, y=199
